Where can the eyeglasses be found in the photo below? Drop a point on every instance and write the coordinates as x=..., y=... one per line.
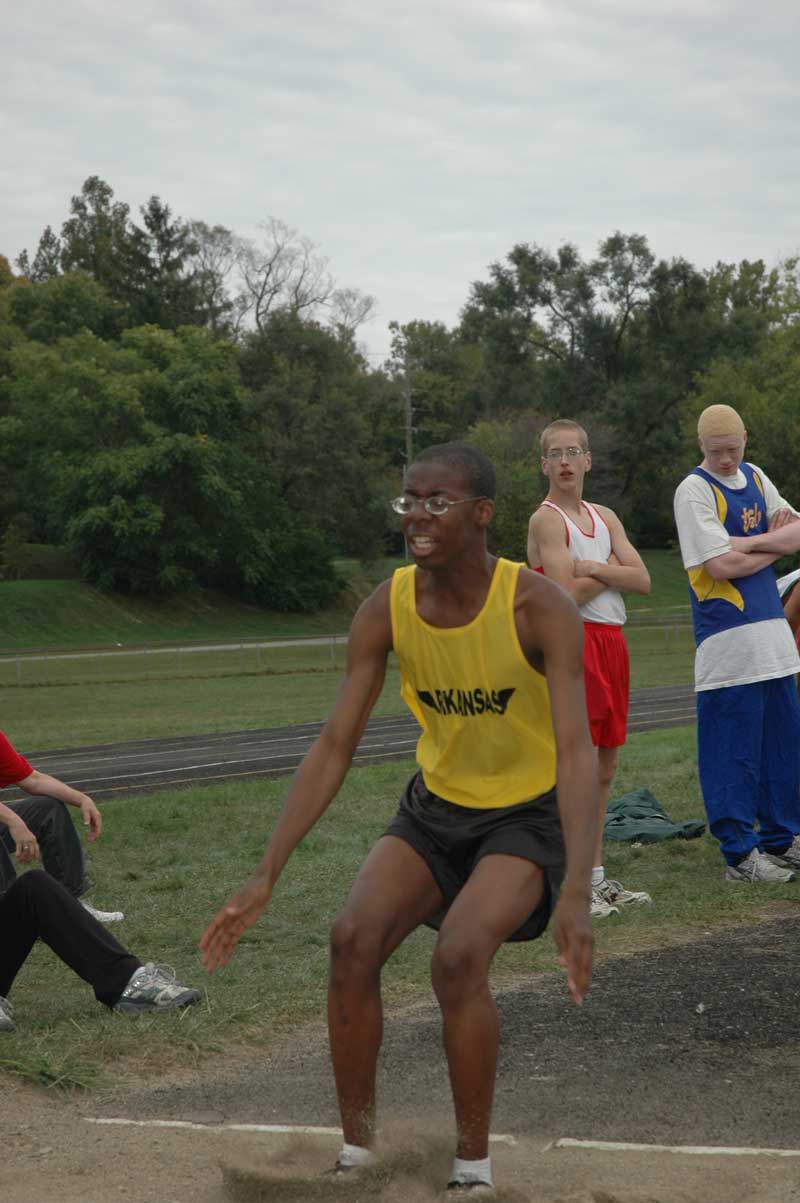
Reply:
x=436, y=505
x=568, y=453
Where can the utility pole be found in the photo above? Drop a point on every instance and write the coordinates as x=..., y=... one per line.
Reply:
x=408, y=409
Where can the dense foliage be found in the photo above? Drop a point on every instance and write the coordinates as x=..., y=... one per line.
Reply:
x=182, y=406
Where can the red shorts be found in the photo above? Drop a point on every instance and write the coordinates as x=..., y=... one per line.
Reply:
x=607, y=672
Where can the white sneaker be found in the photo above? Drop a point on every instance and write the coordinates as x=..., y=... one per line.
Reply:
x=6, y=1016
x=757, y=866
x=614, y=893
x=155, y=988
x=789, y=858
x=599, y=908
x=101, y=916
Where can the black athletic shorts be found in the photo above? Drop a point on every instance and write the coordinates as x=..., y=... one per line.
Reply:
x=452, y=839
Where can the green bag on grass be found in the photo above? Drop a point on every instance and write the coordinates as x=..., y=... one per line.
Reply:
x=640, y=817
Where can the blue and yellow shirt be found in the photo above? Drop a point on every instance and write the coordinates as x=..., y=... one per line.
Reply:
x=722, y=605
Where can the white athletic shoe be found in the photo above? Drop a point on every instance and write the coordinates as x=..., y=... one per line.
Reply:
x=757, y=866
x=599, y=907
x=615, y=894
x=789, y=858
x=155, y=988
x=101, y=916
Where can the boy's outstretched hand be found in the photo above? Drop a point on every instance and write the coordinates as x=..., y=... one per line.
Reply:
x=572, y=929
x=241, y=911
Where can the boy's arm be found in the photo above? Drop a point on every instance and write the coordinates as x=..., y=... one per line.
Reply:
x=317, y=780
x=778, y=542
x=626, y=571
x=547, y=536
x=705, y=543
x=549, y=627
x=43, y=785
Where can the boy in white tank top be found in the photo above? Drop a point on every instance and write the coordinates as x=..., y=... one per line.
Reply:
x=585, y=549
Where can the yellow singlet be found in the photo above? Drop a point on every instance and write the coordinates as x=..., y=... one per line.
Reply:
x=487, y=735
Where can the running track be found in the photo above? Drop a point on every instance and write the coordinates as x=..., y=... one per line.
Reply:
x=116, y=770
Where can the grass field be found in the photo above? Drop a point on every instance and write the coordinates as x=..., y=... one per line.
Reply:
x=170, y=859
x=298, y=688
x=69, y=614
x=49, y=702
x=73, y=716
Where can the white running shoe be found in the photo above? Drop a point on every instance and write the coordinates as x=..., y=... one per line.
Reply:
x=615, y=894
x=757, y=866
x=789, y=858
x=155, y=988
x=599, y=907
x=101, y=916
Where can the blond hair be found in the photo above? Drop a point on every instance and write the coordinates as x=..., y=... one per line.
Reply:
x=719, y=420
x=563, y=424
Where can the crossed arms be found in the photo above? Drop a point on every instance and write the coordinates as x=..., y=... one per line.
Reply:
x=585, y=579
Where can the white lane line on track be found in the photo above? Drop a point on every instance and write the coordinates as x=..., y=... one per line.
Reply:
x=229, y=741
x=277, y=1129
x=286, y=771
x=396, y=750
x=623, y=1146
x=243, y=756
x=216, y=764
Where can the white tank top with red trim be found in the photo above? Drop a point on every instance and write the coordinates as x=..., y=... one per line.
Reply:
x=595, y=544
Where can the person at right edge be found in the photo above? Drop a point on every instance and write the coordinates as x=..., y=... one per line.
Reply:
x=732, y=525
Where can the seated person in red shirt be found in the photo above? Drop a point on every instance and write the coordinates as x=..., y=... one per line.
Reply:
x=41, y=823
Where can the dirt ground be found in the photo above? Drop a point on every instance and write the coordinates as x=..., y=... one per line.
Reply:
x=689, y=1046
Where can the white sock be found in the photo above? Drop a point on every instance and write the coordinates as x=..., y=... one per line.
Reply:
x=598, y=874
x=355, y=1155
x=472, y=1171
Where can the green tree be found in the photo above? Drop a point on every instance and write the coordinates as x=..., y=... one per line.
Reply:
x=512, y=446
x=162, y=288
x=765, y=389
x=98, y=238
x=150, y=272
x=142, y=467
x=556, y=325
x=62, y=306
x=12, y=552
x=47, y=260
x=6, y=275
x=437, y=377
x=309, y=421
x=621, y=340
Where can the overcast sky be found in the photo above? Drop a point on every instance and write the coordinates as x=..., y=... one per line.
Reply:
x=414, y=142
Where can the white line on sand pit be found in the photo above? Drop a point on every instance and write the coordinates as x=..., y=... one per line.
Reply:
x=279, y=1129
x=622, y=1146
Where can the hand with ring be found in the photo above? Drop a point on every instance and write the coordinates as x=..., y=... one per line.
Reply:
x=25, y=846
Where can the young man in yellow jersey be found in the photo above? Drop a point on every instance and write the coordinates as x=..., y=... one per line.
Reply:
x=491, y=666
